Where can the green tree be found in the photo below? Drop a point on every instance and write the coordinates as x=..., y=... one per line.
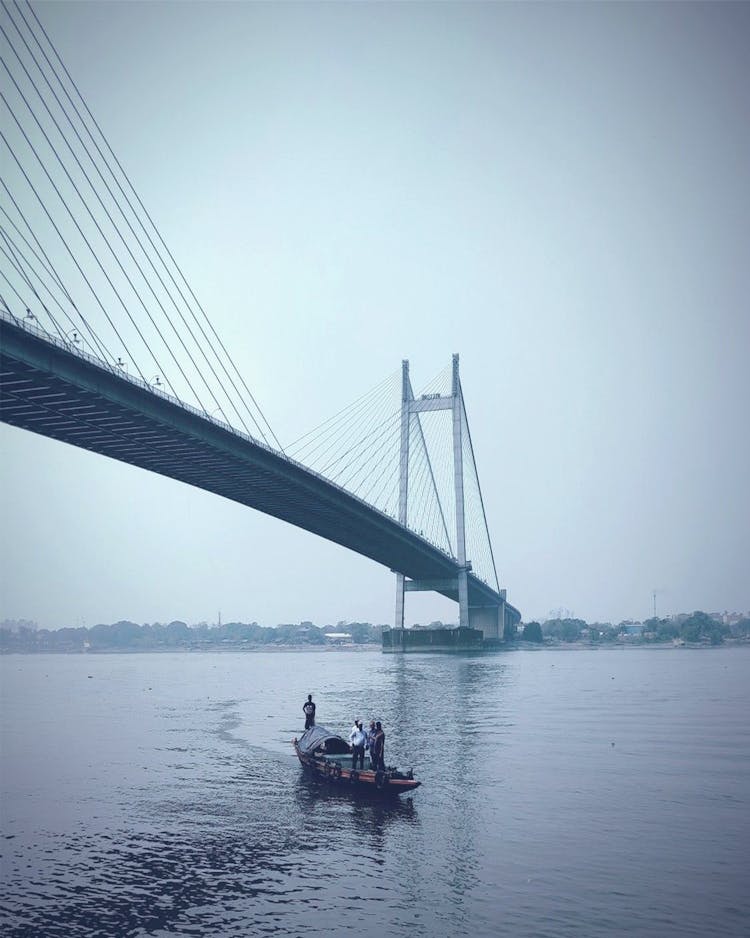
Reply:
x=123, y=634
x=361, y=632
x=532, y=632
x=567, y=630
x=664, y=629
x=701, y=627
x=177, y=632
x=100, y=635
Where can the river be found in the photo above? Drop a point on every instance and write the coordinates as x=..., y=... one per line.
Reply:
x=565, y=793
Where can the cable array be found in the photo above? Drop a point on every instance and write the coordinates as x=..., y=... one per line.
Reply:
x=429, y=506
x=359, y=448
x=478, y=542
x=80, y=254
x=81, y=257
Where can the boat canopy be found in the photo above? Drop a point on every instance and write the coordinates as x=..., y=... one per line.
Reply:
x=318, y=737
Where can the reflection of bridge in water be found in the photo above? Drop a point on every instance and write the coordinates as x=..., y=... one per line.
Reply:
x=91, y=291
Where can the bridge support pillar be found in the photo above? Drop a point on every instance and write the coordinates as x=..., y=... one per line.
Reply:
x=403, y=480
x=487, y=619
x=400, y=591
x=458, y=481
x=464, y=611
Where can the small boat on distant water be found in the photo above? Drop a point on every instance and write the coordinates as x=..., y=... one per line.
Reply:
x=329, y=756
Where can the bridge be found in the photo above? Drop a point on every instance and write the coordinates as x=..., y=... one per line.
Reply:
x=93, y=301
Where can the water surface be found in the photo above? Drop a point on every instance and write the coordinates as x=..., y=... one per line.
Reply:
x=566, y=793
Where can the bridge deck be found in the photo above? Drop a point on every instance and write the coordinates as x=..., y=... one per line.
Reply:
x=54, y=390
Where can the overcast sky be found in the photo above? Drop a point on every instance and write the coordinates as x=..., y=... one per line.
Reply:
x=558, y=192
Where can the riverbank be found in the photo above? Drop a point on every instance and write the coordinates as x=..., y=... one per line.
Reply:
x=360, y=648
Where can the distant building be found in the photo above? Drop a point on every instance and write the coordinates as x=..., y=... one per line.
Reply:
x=635, y=628
x=631, y=631
x=338, y=638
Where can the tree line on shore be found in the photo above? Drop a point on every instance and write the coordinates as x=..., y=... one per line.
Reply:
x=22, y=635
x=696, y=628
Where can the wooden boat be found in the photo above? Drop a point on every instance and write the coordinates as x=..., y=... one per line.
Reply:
x=330, y=757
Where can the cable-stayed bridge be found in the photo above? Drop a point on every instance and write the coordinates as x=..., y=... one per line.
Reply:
x=104, y=345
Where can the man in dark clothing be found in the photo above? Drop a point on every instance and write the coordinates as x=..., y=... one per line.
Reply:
x=308, y=708
x=369, y=737
x=377, y=749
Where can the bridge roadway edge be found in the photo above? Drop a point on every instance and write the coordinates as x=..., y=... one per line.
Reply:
x=337, y=515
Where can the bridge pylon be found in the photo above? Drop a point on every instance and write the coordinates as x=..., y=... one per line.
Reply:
x=489, y=618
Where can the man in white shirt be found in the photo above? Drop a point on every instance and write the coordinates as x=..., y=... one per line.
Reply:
x=357, y=742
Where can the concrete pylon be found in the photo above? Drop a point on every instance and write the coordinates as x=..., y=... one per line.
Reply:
x=485, y=618
x=458, y=477
x=403, y=479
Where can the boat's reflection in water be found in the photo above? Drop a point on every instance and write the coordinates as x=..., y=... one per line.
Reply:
x=371, y=813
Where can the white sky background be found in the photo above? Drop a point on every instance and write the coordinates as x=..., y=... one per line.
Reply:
x=558, y=192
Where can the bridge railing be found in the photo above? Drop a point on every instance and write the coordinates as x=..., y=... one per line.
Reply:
x=72, y=348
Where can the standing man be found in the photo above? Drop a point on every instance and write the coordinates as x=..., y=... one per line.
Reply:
x=357, y=739
x=308, y=708
x=369, y=737
x=377, y=748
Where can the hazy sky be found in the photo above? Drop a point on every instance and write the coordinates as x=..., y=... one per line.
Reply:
x=558, y=192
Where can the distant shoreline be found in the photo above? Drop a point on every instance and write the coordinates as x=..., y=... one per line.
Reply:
x=371, y=646
x=176, y=649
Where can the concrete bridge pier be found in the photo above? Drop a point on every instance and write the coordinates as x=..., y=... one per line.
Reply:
x=487, y=620
x=495, y=619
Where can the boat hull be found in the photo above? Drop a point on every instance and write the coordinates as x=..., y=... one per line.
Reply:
x=338, y=771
